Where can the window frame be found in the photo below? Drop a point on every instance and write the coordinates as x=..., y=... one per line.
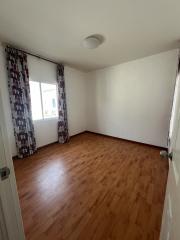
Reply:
x=41, y=102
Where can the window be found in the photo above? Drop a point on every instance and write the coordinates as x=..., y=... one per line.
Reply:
x=43, y=100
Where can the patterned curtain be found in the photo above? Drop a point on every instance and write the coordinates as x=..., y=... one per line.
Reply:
x=63, y=135
x=19, y=93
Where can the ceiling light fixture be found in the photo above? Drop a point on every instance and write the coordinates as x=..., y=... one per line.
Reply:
x=92, y=42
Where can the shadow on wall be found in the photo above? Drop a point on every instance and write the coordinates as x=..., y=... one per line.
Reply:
x=100, y=92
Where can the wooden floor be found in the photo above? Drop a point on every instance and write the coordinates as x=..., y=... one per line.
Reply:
x=94, y=187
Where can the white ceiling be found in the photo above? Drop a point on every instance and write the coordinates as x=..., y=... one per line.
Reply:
x=56, y=28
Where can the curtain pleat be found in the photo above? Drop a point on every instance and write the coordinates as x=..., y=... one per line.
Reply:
x=19, y=93
x=63, y=135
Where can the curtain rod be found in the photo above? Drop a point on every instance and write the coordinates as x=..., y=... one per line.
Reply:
x=31, y=54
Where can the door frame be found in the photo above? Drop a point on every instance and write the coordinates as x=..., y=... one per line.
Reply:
x=168, y=215
x=10, y=212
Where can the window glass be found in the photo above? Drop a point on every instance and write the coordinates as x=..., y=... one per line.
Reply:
x=36, y=100
x=49, y=100
x=43, y=100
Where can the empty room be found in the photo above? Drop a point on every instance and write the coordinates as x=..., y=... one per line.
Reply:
x=89, y=120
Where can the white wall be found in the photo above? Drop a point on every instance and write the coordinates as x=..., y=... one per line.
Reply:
x=76, y=96
x=133, y=100
x=43, y=71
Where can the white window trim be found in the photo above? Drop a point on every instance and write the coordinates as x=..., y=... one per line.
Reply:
x=42, y=108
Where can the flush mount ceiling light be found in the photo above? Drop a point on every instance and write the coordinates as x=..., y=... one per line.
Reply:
x=92, y=41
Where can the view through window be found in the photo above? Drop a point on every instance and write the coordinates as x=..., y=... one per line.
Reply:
x=43, y=100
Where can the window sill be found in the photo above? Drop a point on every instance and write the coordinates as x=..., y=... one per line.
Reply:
x=46, y=119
